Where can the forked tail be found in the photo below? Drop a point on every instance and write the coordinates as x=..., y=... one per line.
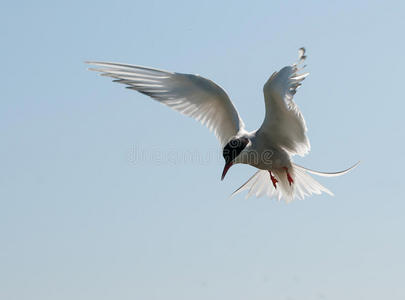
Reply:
x=304, y=184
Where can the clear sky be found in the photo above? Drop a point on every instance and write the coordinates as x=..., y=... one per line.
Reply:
x=106, y=194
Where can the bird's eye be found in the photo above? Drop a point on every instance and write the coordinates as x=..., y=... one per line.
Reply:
x=234, y=143
x=234, y=148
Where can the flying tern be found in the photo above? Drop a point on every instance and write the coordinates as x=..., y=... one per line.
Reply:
x=269, y=148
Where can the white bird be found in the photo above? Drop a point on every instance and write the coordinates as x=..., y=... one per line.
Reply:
x=269, y=148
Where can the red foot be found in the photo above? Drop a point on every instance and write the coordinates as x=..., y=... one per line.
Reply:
x=290, y=180
x=273, y=180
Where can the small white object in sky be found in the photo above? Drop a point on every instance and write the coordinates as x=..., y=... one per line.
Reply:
x=269, y=148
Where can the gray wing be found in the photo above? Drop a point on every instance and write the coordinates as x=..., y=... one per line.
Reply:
x=191, y=95
x=284, y=123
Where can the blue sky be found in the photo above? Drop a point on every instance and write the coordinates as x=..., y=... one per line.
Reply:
x=82, y=218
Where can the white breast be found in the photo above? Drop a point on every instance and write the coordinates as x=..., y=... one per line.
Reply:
x=263, y=154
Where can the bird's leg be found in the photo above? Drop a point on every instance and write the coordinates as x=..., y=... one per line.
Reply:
x=273, y=179
x=290, y=180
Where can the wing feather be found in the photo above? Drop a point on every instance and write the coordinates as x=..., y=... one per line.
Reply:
x=284, y=123
x=191, y=95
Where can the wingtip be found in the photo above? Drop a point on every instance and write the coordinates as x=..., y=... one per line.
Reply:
x=301, y=52
x=91, y=62
x=97, y=70
x=301, y=58
x=96, y=62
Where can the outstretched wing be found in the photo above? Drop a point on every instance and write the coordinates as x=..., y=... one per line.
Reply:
x=284, y=123
x=191, y=95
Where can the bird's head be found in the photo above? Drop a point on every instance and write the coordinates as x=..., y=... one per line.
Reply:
x=232, y=150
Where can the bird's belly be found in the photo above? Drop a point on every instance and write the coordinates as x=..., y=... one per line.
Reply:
x=268, y=159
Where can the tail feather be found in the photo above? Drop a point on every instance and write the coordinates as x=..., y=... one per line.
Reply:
x=328, y=174
x=304, y=184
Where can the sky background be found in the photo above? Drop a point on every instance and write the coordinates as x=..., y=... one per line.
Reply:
x=105, y=194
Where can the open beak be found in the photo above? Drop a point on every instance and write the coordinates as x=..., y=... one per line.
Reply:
x=226, y=168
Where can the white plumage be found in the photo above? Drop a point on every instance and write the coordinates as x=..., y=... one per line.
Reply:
x=284, y=123
x=282, y=134
x=191, y=95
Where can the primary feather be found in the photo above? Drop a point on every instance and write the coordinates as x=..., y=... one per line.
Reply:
x=191, y=95
x=284, y=123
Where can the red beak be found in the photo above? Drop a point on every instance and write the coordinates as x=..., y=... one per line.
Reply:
x=226, y=168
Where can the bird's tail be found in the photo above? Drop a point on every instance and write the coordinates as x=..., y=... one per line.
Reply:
x=304, y=184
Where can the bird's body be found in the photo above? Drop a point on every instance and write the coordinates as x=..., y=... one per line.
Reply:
x=262, y=153
x=269, y=148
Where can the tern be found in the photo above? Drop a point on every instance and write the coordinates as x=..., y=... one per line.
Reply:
x=269, y=148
